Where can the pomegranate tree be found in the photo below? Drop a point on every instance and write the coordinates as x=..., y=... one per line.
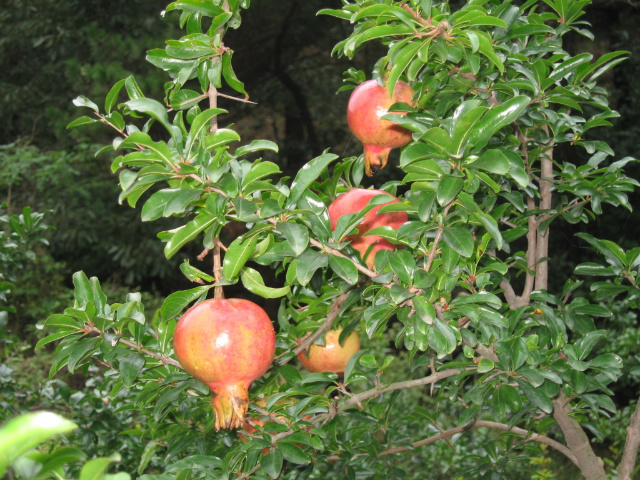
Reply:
x=367, y=104
x=332, y=357
x=226, y=344
x=354, y=201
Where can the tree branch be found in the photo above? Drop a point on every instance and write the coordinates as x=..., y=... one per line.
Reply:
x=436, y=240
x=630, y=452
x=542, y=239
x=163, y=358
x=590, y=465
x=445, y=434
x=308, y=341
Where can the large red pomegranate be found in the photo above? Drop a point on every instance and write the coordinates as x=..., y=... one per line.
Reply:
x=226, y=344
x=368, y=102
x=332, y=357
x=354, y=201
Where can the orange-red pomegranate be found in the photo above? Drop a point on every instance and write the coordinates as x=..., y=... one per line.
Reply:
x=332, y=357
x=368, y=102
x=354, y=201
x=226, y=344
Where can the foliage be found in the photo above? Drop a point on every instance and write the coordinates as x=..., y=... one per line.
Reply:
x=19, y=235
x=465, y=293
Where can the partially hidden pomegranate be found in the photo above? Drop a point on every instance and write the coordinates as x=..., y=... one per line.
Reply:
x=368, y=102
x=354, y=201
x=332, y=357
x=226, y=344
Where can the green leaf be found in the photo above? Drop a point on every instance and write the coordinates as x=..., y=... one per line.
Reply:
x=82, y=289
x=81, y=350
x=63, y=322
x=84, y=120
x=252, y=281
x=255, y=146
x=96, y=469
x=183, y=235
x=493, y=161
x=448, y=188
x=485, y=365
x=220, y=138
x=294, y=454
x=258, y=172
x=237, y=255
x=400, y=61
x=297, y=236
x=168, y=202
x=141, y=139
x=425, y=310
x=53, y=337
x=307, y=174
x=403, y=265
x=27, y=431
x=308, y=263
x=569, y=65
x=210, y=9
x=272, y=462
x=83, y=101
x=498, y=117
x=537, y=396
x=230, y=76
x=130, y=366
x=344, y=268
x=459, y=239
x=152, y=108
x=178, y=301
x=200, y=124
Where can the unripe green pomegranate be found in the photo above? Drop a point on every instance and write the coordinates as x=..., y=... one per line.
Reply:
x=354, y=201
x=368, y=102
x=332, y=357
x=226, y=344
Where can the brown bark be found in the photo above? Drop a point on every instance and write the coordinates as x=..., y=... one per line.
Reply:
x=589, y=463
x=630, y=453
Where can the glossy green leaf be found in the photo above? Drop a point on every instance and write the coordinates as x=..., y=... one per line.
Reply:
x=175, y=303
x=307, y=174
x=130, y=367
x=459, y=239
x=497, y=118
x=344, y=268
x=183, y=235
x=152, y=108
x=448, y=188
x=537, y=397
x=197, y=6
x=308, y=263
x=239, y=251
x=252, y=281
x=272, y=462
x=168, y=202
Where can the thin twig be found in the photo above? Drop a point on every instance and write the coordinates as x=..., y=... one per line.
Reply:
x=218, y=291
x=436, y=240
x=163, y=358
x=308, y=341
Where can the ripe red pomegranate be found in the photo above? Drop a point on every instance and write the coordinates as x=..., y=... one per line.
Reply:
x=332, y=357
x=368, y=102
x=354, y=201
x=226, y=344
